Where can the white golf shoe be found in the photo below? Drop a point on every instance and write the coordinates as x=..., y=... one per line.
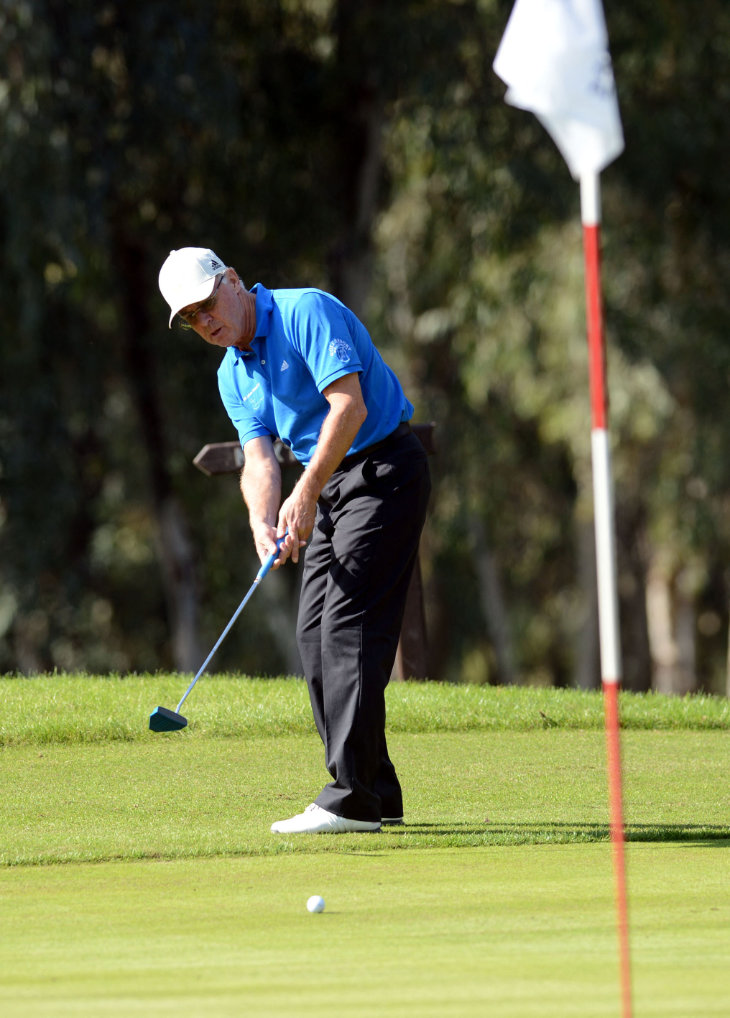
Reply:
x=315, y=820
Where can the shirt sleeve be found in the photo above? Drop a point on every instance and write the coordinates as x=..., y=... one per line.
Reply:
x=246, y=424
x=324, y=336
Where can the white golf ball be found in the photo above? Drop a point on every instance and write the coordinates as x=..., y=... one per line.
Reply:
x=315, y=903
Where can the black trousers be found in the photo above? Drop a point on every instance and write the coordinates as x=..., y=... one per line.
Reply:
x=356, y=574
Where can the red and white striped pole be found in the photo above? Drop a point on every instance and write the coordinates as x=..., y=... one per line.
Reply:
x=590, y=198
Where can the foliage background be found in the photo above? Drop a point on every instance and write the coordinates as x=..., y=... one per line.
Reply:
x=364, y=148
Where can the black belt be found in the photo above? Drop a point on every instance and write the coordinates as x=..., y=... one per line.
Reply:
x=401, y=431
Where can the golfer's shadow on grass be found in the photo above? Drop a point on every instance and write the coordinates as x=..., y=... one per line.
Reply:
x=711, y=835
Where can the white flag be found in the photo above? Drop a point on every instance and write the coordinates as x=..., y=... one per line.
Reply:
x=554, y=58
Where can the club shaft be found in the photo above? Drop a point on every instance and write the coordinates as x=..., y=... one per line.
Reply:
x=219, y=641
x=259, y=577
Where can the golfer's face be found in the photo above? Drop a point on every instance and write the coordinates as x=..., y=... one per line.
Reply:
x=218, y=320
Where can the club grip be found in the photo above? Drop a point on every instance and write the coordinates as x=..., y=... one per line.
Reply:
x=271, y=559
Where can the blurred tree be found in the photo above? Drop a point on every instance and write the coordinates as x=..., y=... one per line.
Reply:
x=140, y=130
x=122, y=136
x=482, y=264
x=670, y=309
x=365, y=148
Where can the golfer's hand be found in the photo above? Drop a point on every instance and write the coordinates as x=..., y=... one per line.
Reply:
x=264, y=539
x=296, y=515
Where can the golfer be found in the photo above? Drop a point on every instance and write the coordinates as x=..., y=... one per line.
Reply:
x=300, y=366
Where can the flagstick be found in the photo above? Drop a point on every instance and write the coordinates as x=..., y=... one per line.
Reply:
x=590, y=195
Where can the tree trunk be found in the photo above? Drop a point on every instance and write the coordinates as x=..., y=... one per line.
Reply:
x=358, y=170
x=632, y=587
x=492, y=602
x=281, y=615
x=588, y=651
x=671, y=631
x=177, y=559
x=412, y=659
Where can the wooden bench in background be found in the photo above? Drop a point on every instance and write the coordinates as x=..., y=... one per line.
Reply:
x=412, y=656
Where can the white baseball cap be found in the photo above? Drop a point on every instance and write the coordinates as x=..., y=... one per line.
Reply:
x=188, y=276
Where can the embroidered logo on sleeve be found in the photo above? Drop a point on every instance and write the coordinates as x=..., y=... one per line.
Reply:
x=254, y=399
x=340, y=349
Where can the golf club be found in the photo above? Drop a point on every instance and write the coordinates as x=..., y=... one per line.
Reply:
x=164, y=720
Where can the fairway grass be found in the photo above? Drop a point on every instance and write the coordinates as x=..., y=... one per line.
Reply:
x=82, y=708
x=174, y=798
x=508, y=932
x=138, y=874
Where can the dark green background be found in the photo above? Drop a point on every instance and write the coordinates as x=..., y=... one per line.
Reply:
x=365, y=148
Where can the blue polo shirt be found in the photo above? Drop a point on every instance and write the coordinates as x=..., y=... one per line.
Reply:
x=305, y=340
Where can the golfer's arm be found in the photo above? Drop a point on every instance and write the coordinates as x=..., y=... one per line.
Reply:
x=345, y=418
x=261, y=487
x=346, y=413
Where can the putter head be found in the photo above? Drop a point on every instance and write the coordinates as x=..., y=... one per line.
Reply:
x=164, y=720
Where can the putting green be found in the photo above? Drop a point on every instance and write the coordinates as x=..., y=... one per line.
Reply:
x=507, y=931
x=139, y=876
x=173, y=798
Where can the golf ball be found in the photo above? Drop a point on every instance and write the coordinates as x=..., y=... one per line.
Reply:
x=315, y=903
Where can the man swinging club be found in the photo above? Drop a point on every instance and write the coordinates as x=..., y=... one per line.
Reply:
x=300, y=366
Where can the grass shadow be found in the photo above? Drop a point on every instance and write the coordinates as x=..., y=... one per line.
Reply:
x=714, y=835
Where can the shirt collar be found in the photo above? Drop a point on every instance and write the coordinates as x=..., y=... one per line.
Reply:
x=264, y=304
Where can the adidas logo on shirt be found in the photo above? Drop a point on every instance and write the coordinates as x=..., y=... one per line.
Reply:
x=284, y=366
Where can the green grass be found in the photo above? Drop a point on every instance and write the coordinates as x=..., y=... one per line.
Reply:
x=176, y=798
x=138, y=875
x=510, y=933
x=77, y=708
